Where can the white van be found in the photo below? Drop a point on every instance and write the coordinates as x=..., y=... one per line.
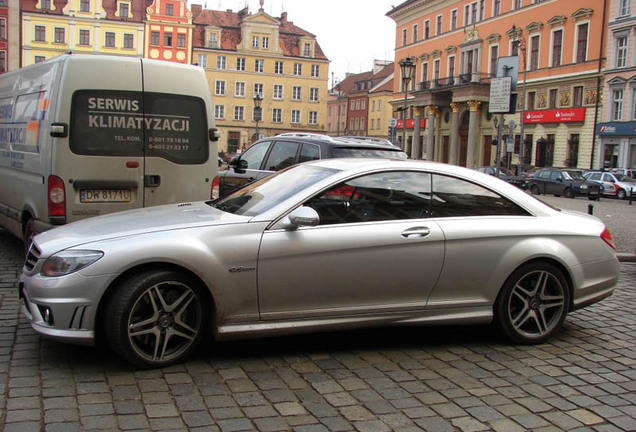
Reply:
x=84, y=135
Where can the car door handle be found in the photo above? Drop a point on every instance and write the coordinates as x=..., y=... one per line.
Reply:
x=416, y=232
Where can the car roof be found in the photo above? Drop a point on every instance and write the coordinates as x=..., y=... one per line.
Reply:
x=341, y=141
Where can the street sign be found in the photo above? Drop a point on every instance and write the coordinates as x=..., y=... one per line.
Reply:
x=392, y=123
x=500, y=89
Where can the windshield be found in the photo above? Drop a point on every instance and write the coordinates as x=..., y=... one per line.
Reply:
x=573, y=175
x=343, y=152
x=262, y=195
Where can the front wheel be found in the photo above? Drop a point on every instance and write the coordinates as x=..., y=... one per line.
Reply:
x=533, y=303
x=534, y=189
x=156, y=318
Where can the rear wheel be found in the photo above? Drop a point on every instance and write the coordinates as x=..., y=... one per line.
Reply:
x=534, y=189
x=28, y=235
x=156, y=318
x=621, y=194
x=533, y=303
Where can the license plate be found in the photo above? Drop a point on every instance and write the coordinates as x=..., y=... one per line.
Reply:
x=104, y=195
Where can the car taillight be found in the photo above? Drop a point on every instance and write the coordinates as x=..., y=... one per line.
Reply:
x=607, y=238
x=214, y=191
x=57, y=197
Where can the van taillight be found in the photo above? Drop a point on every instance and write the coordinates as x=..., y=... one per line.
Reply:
x=607, y=238
x=214, y=192
x=57, y=197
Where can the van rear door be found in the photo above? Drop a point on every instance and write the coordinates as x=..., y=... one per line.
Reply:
x=180, y=159
x=100, y=162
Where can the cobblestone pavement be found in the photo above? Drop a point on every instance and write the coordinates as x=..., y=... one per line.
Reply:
x=412, y=379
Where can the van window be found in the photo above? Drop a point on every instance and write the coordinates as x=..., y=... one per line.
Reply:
x=29, y=110
x=124, y=123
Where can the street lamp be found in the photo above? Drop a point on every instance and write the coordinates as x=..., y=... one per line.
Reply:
x=407, y=67
x=257, y=111
x=522, y=47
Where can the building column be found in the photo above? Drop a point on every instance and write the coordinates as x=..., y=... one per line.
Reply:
x=431, y=110
x=416, y=149
x=454, y=134
x=473, y=106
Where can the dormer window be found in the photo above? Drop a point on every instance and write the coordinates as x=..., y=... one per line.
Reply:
x=307, y=50
x=85, y=6
x=213, y=40
x=124, y=10
x=45, y=4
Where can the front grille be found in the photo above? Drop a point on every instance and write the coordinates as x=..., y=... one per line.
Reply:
x=32, y=257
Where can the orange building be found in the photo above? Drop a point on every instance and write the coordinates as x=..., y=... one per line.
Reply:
x=455, y=45
x=168, y=34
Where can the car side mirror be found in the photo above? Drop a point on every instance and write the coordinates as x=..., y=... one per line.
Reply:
x=299, y=217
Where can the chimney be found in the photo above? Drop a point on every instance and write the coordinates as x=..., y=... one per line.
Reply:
x=243, y=13
x=283, y=18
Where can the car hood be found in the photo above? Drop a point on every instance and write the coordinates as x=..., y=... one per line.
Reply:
x=134, y=222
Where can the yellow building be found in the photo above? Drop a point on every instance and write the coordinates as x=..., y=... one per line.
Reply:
x=51, y=28
x=256, y=55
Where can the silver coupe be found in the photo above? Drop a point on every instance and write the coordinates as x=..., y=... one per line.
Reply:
x=324, y=245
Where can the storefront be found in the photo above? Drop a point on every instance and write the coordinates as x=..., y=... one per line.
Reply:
x=617, y=141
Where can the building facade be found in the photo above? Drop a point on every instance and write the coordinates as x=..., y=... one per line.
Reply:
x=456, y=45
x=54, y=27
x=362, y=102
x=617, y=132
x=168, y=33
x=248, y=56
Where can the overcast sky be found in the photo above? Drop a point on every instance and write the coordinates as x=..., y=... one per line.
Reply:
x=352, y=33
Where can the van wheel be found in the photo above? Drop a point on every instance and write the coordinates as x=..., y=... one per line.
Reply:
x=28, y=235
x=156, y=318
x=533, y=303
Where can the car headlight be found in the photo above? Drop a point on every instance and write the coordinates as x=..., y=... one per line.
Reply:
x=69, y=261
x=583, y=186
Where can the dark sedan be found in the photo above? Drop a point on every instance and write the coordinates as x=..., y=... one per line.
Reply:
x=567, y=182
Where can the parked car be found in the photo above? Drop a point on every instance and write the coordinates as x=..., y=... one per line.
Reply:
x=324, y=245
x=614, y=184
x=566, y=182
x=629, y=172
x=506, y=175
x=272, y=154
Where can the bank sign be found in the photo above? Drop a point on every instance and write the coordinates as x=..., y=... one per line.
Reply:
x=555, y=116
x=616, y=129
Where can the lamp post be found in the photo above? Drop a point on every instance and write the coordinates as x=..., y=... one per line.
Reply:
x=257, y=111
x=522, y=47
x=407, y=67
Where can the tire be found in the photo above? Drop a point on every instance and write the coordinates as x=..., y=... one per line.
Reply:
x=568, y=193
x=621, y=194
x=594, y=198
x=27, y=235
x=156, y=318
x=533, y=303
x=534, y=189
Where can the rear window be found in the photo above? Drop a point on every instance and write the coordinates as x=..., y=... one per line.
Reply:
x=124, y=123
x=344, y=152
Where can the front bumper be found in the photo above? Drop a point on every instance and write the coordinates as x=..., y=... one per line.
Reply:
x=56, y=311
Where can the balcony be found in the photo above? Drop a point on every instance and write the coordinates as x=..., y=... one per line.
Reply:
x=455, y=80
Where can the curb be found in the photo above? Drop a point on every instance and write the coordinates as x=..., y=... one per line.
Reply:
x=626, y=257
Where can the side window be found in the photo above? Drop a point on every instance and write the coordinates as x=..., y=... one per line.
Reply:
x=556, y=175
x=283, y=155
x=544, y=175
x=607, y=178
x=254, y=155
x=456, y=197
x=309, y=152
x=595, y=176
x=376, y=197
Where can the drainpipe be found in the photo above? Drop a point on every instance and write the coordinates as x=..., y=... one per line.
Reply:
x=598, y=85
